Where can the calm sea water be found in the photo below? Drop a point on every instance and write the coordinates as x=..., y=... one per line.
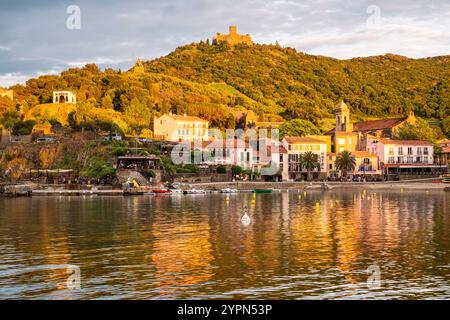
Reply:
x=313, y=245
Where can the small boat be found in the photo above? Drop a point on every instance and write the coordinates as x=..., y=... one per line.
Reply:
x=161, y=191
x=263, y=190
x=176, y=191
x=229, y=190
x=194, y=191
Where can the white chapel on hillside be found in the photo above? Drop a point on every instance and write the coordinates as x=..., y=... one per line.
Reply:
x=64, y=97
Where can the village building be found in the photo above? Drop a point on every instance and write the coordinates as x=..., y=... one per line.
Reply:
x=7, y=93
x=444, y=157
x=227, y=152
x=366, y=164
x=343, y=137
x=233, y=38
x=274, y=159
x=296, y=147
x=176, y=128
x=64, y=97
x=404, y=159
x=351, y=137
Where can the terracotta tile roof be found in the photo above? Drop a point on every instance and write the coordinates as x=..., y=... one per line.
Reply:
x=185, y=118
x=281, y=149
x=299, y=140
x=357, y=154
x=446, y=150
x=363, y=154
x=406, y=142
x=221, y=144
x=378, y=124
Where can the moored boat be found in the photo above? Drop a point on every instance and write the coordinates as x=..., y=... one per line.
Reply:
x=161, y=191
x=194, y=191
x=263, y=190
x=229, y=190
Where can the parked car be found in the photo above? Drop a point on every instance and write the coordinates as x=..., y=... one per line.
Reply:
x=114, y=137
x=45, y=140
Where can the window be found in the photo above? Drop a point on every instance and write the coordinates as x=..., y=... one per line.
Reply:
x=410, y=152
x=391, y=160
x=419, y=150
x=418, y=159
x=425, y=150
x=350, y=140
x=410, y=160
x=400, y=150
x=391, y=151
x=341, y=141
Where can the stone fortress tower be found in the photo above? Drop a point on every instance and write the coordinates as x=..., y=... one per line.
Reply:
x=233, y=37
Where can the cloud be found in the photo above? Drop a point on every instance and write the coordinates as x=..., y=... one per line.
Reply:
x=34, y=37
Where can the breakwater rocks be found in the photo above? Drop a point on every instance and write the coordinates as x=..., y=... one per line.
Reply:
x=20, y=190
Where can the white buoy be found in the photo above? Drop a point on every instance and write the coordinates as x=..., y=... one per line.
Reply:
x=245, y=218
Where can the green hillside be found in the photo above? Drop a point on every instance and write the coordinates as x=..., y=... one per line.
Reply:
x=207, y=80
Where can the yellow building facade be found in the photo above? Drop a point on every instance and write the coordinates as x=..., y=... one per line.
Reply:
x=176, y=128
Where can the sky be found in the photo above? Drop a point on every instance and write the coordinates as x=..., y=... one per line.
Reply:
x=48, y=36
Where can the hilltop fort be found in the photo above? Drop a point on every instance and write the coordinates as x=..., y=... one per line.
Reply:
x=233, y=37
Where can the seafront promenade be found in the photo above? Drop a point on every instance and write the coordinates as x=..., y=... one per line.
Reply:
x=425, y=184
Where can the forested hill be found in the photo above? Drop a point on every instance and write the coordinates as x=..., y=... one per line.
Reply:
x=299, y=85
x=210, y=80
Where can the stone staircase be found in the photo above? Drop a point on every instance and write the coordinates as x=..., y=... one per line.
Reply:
x=129, y=175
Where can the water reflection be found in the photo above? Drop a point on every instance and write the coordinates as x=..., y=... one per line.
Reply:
x=298, y=245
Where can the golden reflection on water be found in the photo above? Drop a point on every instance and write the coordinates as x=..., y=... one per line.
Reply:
x=298, y=244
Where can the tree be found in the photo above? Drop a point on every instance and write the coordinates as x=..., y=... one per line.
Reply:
x=23, y=128
x=137, y=116
x=310, y=161
x=345, y=162
x=446, y=126
x=82, y=115
x=236, y=170
x=9, y=119
x=221, y=169
x=298, y=128
x=107, y=103
x=420, y=131
x=168, y=167
x=97, y=168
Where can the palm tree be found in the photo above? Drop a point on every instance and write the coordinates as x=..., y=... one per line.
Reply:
x=168, y=167
x=345, y=162
x=310, y=161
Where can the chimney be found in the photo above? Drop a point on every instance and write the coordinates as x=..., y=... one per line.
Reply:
x=233, y=30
